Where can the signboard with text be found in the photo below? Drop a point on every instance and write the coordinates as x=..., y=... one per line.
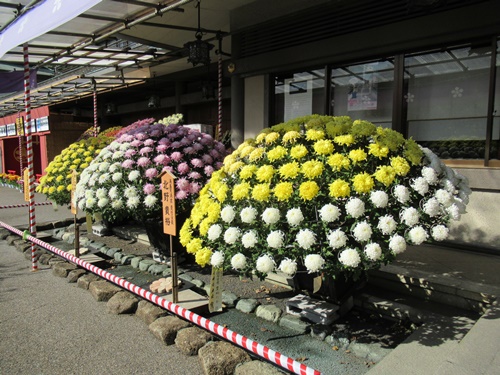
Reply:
x=74, y=180
x=168, y=201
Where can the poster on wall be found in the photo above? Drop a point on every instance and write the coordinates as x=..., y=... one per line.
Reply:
x=3, y=130
x=363, y=93
x=42, y=124
x=11, y=129
x=298, y=97
x=33, y=126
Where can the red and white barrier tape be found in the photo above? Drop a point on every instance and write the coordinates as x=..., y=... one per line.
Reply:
x=234, y=337
x=25, y=205
x=95, y=113
x=29, y=149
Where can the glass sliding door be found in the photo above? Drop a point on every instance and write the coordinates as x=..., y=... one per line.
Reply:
x=446, y=101
x=299, y=94
x=364, y=91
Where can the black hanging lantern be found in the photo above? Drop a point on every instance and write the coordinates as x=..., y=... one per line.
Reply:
x=199, y=50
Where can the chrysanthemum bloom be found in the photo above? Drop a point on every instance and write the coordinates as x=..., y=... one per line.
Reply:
x=328, y=194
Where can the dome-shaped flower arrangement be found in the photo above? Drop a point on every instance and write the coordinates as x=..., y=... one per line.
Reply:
x=56, y=183
x=322, y=194
x=11, y=181
x=124, y=180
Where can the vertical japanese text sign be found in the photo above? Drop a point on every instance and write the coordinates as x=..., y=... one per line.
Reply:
x=26, y=184
x=168, y=200
x=74, y=180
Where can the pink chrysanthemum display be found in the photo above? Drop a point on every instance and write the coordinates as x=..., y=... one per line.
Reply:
x=137, y=159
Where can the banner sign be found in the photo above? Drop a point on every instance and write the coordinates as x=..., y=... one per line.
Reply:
x=44, y=17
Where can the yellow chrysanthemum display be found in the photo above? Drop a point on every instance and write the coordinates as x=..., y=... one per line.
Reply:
x=315, y=185
x=56, y=183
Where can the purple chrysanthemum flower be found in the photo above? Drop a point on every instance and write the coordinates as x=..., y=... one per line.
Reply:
x=209, y=170
x=162, y=148
x=151, y=173
x=130, y=152
x=198, y=147
x=164, y=141
x=189, y=150
x=176, y=156
x=181, y=194
x=141, y=136
x=136, y=143
x=149, y=189
x=145, y=150
x=214, y=153
x=143, y=162
x=194, y=175
x=128, y=164
x=207, y=159
x=175, y=144
x=182, y=184
x=149, y=142
x=183, y=168
x=197, y=163
x=194, y=188
x=161, y=159
x=168, y=168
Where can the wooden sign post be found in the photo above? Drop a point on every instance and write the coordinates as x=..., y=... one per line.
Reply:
x=26, y=185
x=169, y=223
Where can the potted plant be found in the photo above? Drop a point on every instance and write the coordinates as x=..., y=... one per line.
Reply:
x=124, y=180
x=324, y=196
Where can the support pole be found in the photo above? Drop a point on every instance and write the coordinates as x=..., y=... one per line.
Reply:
x=218, y=135
x=29, y=148
x=95, y=109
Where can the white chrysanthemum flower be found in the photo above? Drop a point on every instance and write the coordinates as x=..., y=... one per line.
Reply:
x=448, y=186
x=227, y=214
x=410, y=216
x=117, y=154
x=133, y=202
x=329, y=213
x=350, y=258
x=105, y=154
x=90, y=202
x=275, y=239
x=113, y=167
x=373, y=251
x=101, y=193
x=248, y=215
x=89, y=193
x=420, y=185
x=214, y=232
x=92, y=180
x=305, y=238
x=379, y=198
x=271, y=215
x=81, y=204
x=117, y=176
x=130, y=192
x=103, y=178
x=288, y=266
x=117, y=204
x=440, y=232
x=217, y=259
x=444, y=197
x=397, y=244
x=314, y=262
x=454, y=212
x=249, y=239
x=134, y=175
x=115, y=145
x=104, y=166
x=124, y=146
x=84, y=178
x=386, y=224
x=418, y=235
x=93, y=167
x=113, y=193
x=362, y=232
x=430, y=175
x=432, y=207
x=294, y=217
x=337, y=239
x=401, y=193
x=238, y=261
x=265, y=264
x=355, y=207
x=231, y=235
x=150, y=200
x=102, y=202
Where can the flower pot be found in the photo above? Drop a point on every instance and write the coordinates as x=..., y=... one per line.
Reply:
x=161, y=241
x=336, y=290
